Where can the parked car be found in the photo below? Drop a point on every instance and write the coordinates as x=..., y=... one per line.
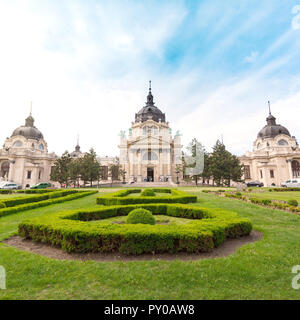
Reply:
x=10, y=186
x=42, y=185
x=294, y=183
x=255, y=184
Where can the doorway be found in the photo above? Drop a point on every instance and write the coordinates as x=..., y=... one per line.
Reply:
x=150, y=174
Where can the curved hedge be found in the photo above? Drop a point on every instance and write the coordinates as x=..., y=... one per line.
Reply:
x=123, y=197
x=72, y=231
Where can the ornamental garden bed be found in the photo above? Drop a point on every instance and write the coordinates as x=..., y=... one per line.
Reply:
x=90, y=230
x=136, y=196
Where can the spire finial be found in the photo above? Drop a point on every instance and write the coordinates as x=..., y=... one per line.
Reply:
x=150, y=86
x=31, y=108
x=269, y=107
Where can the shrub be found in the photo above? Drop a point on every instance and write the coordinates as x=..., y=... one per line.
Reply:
x=266, y=202
x=148, y=193
x=4, y=191
x=238, y=194
x=293, y=203
x=2, y=205
x=140, y=216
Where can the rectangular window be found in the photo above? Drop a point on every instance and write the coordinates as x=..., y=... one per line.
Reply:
x=261, y=174
x=247, y=172
x=272, y=173
x=40, y=174
x=29, y=174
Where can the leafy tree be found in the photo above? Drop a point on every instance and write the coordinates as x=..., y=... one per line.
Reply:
x=193, y=148
x=114, y=170
x=223, y=166
x=90, y=169
x=61, y=170
x=75, y=170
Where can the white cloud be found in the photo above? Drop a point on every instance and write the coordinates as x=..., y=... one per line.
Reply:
x=252, y=57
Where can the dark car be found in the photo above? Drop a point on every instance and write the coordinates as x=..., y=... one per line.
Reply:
x=42, y=185
x=255, y=184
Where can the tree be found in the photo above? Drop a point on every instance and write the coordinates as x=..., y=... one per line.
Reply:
x=90, y=169
x=75, y=170
x=61, y=169
x=194, y=160
x=115, y=170
x=224, y=167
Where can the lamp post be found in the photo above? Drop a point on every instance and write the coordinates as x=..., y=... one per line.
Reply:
x=124, y=173
x=177, y=178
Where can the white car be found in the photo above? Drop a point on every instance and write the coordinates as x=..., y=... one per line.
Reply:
x=293, y=183
x=10, y=186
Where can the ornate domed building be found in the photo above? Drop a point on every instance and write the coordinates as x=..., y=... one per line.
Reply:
x=150, y=153
x=275, y=157
x=24, y=158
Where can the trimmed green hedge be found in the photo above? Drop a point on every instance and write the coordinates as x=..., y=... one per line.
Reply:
x=11, y=202
x=73, y=233
x=123, y=197
x=43, y=203
x=285, y=189
x=5, y=191
x=30, y=191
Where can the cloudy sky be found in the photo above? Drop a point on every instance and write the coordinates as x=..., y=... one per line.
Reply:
x=86, y=64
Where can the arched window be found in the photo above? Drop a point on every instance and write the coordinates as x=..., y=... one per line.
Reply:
x=150, y=156
x=282, y=142
x=18, y=144
x=150, y=130
x=258, y=146
x=296, y=168
x=41, y=146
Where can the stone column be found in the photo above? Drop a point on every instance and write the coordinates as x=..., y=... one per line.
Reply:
x=289, y=165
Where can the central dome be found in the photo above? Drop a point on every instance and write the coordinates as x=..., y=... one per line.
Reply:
x=150, y=111
x=271, y=130
x=28, y=131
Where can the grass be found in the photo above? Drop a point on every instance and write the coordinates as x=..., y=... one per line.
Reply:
x=285, y=195
x=260, y=270
x=159, y=219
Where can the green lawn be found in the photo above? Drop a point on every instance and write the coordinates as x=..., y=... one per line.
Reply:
x=260, y=270
x=285, y=195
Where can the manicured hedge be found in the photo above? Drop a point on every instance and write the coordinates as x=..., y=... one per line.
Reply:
x=285, y=189
x=43, y=203
x=30, y=191
x=6, y=191
x=73, y=233
x=123, y=197
x=11, y=202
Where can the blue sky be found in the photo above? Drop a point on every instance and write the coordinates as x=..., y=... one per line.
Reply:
x=86, y=66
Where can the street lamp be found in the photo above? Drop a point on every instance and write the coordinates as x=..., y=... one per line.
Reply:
x=177, y=178
x=124, y=173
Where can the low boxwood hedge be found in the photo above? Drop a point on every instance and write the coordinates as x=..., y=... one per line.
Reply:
x=72, y=231
x=123, y=197
x=11, y=202
x=42, y=203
